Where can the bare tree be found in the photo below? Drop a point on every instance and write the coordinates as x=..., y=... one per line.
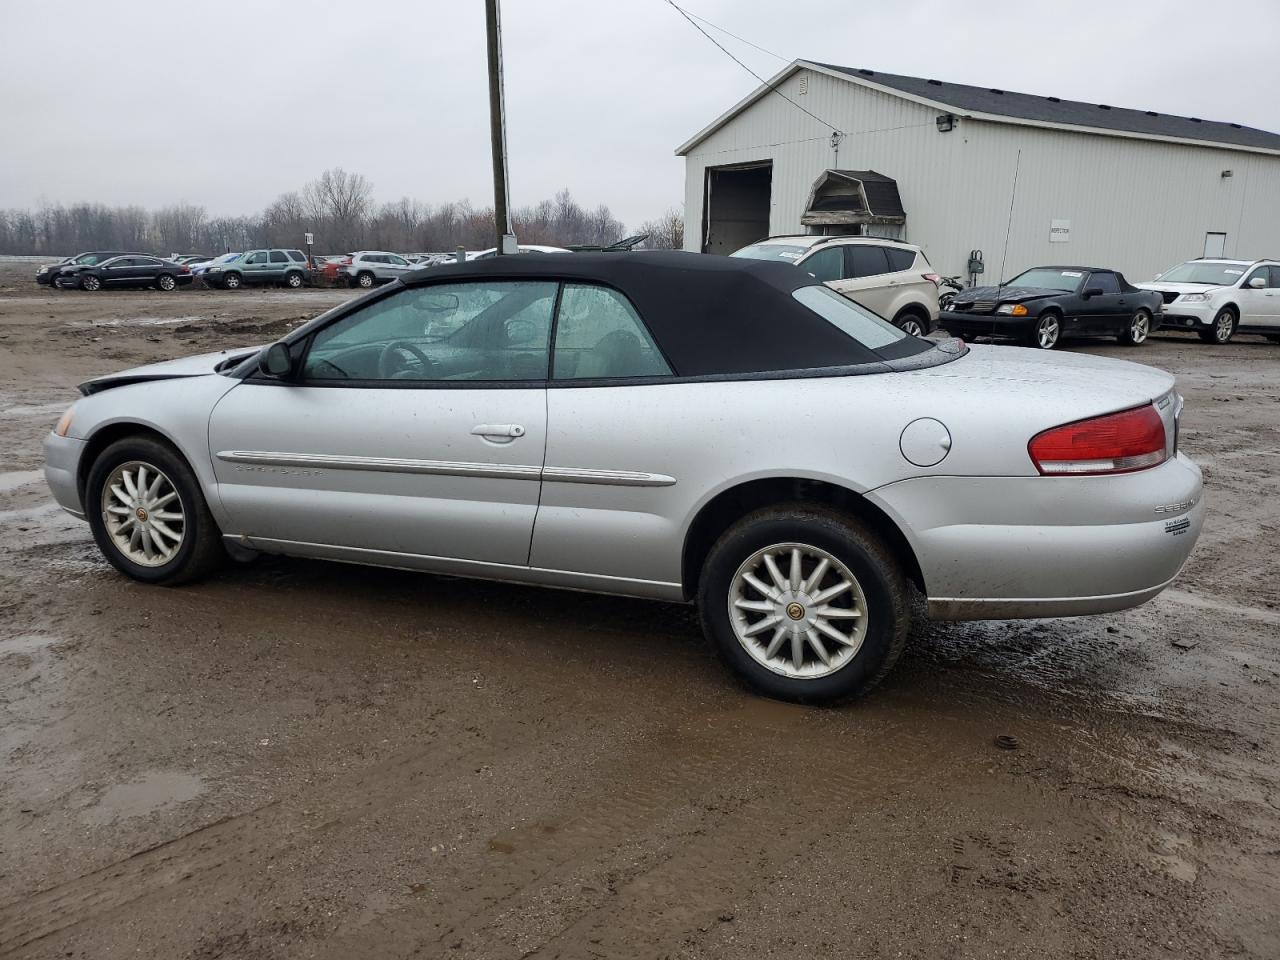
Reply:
x=666, y=232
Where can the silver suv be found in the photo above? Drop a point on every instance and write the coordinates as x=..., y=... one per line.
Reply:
x=367, y=268
x=892, y=278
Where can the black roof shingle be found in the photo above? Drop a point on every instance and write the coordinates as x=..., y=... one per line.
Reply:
x=1024, y=106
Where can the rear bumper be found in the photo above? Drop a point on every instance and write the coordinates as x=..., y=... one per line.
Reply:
x=1013, y=547
x=985, y=325
x=62, y=469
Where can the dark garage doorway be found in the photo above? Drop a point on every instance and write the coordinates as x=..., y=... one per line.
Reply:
x=736, y=206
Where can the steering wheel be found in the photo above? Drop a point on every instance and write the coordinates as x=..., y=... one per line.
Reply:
x=388, y=368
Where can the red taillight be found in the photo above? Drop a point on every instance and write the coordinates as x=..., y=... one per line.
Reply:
x=185, y=269
x=932, y=278
x=1117, y=443
x=346, y=261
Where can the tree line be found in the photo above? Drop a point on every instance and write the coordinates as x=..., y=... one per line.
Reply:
x=337, y=207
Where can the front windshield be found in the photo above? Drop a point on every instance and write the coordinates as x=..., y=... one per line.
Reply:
x=1208, y=272
x=786, y=252
x=1048, y=279
x=855, y=321
x=227, y=258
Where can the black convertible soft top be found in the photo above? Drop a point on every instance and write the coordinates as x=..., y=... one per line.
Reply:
x=711, y=315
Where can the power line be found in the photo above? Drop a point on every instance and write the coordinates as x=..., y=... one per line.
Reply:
x=716, y=26
x=771, y=87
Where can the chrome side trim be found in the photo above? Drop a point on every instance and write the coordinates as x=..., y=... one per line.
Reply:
x=450, y=468
x=621, y=478
x=443, y=468
x=474, y=569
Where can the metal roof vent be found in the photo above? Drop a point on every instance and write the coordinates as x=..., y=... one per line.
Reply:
x=1152, y=113
x=867, y=73
x=1054, y=99
x=1195, y=119
x=1237, y=126
x=936, y=83
x=994, y=90
x=1103, y=106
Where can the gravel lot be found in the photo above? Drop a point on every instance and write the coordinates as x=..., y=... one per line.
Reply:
x=300, y=759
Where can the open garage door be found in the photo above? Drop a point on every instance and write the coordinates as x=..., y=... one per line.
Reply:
x=736, y=206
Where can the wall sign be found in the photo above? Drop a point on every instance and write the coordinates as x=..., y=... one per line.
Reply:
x=1059, y=231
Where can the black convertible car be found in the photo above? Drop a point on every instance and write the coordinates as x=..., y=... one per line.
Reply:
x=1044, y=304
x=130, y=270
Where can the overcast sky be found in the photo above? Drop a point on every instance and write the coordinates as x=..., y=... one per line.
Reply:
x=229, y=104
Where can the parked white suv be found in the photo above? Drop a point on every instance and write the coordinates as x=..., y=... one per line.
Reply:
x=366, y=268
x=891, y=278
x=1217, y=298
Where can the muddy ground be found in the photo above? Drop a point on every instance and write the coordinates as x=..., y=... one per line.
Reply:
x=301, y=759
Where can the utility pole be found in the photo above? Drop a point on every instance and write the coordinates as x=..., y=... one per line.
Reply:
x=498, y=129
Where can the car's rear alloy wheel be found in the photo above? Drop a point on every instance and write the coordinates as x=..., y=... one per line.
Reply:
x=365, y=280
x=148, y=515
x=231, y=281
x=912, y=326
x=1048, y=330
x=293, y=280
x=804, y=604
x=1139, y=328
x=166, y=282
x=1223, y=329
x=90, y=282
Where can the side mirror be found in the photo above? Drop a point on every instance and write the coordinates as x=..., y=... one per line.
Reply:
x=1093, y=292
x=276, y=361
x=1257, y=283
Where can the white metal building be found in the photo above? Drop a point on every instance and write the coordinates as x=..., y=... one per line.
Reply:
x=1024, y=179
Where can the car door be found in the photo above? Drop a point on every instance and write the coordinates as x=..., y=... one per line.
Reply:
x=1253, y=301
x=865, y=282
x=255, y=267
x=144, y=271
x=414, y=428
x=277, y=261
x=116, y=272
x=398, y=266
x=604, y=488
x=1107, y=312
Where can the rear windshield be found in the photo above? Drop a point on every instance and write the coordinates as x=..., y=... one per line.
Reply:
x=860, y=324
x=1210, y=274
x=786, y=252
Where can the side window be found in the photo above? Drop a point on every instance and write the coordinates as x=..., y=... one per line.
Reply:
x=297, y=257
x=398, y=261
x=258, y=257
x=481, y=331
x=1275, y=277
x=900, y=259
x=119, y=262
x=1105, y=281
x=825, y=265
x=277, y=256
x=146, y=262
x=1260, y=272
x=599, y=335
x=864, y=260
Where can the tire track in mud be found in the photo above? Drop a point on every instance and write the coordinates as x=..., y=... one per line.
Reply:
x=649, y=860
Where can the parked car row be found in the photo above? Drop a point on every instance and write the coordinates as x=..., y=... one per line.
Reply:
x=1215, y=298
x=115, y=270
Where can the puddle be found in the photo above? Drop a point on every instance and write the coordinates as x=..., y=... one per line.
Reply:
x=26, y=643
x=153, y=791
x=35, y=409
x=19, y=478
x=137, y=322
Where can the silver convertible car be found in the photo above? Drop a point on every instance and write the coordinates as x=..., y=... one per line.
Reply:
x=672, y=426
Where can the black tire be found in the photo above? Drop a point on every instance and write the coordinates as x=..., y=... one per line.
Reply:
x=1138, y=329
x=1223, y=329
x=90, y=283
x=1042, y=334
x=911, y=322
x=364, y=280
x=293, y=279
x=200, y=550
x=166, y=282
x=231, y=281
x=874, y=568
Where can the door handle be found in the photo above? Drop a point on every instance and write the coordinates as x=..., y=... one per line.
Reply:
x=498, y=431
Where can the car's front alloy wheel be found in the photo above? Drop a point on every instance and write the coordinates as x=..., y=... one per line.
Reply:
x=1223, y=329
x=148, y=514
x=1047, y=332
x=364, y=280
x=804, y=604
x=231, y=281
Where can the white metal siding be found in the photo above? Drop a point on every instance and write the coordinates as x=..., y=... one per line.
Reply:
x=1137, y=205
